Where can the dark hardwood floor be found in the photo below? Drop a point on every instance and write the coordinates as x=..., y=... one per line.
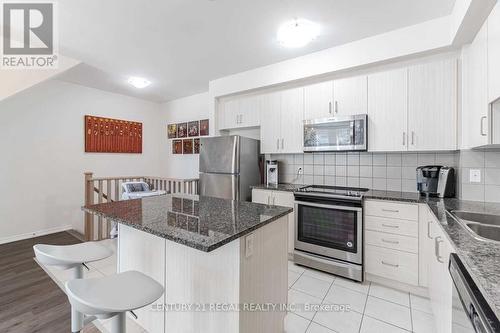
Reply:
x=29, y=300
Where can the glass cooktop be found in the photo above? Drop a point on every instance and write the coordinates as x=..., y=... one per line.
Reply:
x=334, y=190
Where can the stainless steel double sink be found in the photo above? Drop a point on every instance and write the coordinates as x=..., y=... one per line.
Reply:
x=483, y=225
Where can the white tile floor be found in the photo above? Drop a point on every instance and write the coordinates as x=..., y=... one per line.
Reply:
x=371, y=308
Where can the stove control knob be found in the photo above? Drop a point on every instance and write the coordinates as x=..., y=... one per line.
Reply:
x=349, y=244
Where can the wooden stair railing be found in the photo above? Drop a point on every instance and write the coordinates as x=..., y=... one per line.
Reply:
x=109, y=189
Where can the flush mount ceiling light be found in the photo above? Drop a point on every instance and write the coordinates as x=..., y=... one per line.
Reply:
x=297, y=33
x=138, y=82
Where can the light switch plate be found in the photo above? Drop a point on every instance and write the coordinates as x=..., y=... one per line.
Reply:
x=249, y=246
x=475, y=175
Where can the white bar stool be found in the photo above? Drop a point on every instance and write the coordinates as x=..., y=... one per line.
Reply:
x=112, y=296
x=72, y=257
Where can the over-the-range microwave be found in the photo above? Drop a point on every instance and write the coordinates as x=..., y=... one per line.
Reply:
x=342, y=133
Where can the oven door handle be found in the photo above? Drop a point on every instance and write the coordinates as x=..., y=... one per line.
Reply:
x=310, y=204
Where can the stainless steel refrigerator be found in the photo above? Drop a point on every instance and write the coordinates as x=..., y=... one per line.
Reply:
x=229, y=165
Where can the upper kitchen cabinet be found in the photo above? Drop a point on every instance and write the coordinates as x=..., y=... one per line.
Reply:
x=292, y=121
x=432, y=106
x=350, y=96
x=388, y=110
x=282, y=115
x=241, y=112
x=318, y=100
x=494, y=54
x=270, y=131
x=475, y=92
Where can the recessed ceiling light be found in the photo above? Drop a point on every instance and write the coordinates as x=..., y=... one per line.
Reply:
x=297, y=33
x=139, y=82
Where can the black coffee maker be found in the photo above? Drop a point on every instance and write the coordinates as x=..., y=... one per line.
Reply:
x=436, y=181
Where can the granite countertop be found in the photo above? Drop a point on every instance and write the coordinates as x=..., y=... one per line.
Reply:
x=481, y=257
x=203, y=223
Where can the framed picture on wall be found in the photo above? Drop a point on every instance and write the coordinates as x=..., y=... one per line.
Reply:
x=177, y=147
x=196, y=146
x=193, y=128
x=187, y=146
x=172, y=131
x=182, y=130
x=204, y=128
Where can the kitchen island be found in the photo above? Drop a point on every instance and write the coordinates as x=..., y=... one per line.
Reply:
x=223, y=263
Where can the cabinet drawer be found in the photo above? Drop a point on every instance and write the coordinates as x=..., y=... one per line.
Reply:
x=392, y=264
x=391, y=209
x=391, y=241
x=393, y=226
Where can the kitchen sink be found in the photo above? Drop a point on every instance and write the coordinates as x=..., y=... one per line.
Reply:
x=483, y=225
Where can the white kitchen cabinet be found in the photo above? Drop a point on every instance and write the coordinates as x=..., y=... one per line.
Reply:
x=475, y=91
x=249, y=111
x=388, y=110
x=350, y=96
x=240, y=112
x=318, y=100
x=432, y=105
x=439, y=279
x=282, y=115
x=292, y=121
x=494, y=54
x=279, y=198
x=270, y=114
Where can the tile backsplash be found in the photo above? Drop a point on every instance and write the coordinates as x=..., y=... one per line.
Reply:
x=380, y=171
x=488, y=164
x=393, y=171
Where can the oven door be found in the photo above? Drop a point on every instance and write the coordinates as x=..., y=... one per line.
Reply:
x=329, y=230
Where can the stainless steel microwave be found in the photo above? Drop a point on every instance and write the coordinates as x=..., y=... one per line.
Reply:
x=342, y=133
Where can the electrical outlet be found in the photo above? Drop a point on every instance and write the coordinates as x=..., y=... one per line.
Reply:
x=249, y=246
x=475, y=175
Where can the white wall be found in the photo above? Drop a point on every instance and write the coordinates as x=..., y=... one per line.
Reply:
x=193, y=107
x=43, y=158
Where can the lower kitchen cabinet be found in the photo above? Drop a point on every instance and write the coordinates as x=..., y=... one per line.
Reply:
x=391, y=241
x=279, y=198
x=405, y=243
x=439, y=279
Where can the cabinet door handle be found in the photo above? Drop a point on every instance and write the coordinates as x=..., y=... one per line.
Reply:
x=482, y=125
x=336, y=107
x=390, y=226
x=389, y=264
x=429, y=230
x=404, y=138
x=274, y=199
x=412, y=138
x=389, y=241
x=390, y=210
x=282, y=143
x=437, y=241
x=268, y=199
x=330, y=107
x=277, y=144
x=241, y=119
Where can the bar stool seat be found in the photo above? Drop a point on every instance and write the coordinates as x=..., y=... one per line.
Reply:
x=70, y=256
x=113, y=295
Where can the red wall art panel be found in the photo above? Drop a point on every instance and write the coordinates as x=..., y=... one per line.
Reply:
x=105, y=135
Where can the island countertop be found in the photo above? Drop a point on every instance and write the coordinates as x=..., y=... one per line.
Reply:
x=203, y=223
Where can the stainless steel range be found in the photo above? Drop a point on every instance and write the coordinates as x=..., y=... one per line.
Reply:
x=329, y=229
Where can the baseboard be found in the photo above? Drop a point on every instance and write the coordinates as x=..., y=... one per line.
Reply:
x=44, y=232
x=420, y=291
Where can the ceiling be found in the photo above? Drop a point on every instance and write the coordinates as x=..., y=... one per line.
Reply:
x=180, y=45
